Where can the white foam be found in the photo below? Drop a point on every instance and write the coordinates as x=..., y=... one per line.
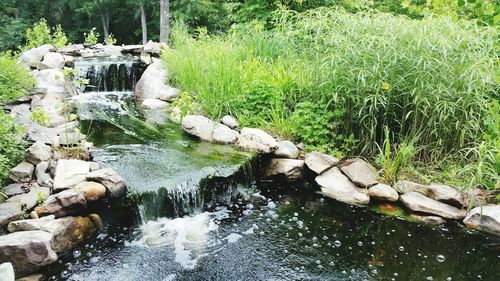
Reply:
x=233, y=237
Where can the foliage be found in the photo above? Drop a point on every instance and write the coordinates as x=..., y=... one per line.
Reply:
x=427, y=80
x=92, y=37
x=111, y=40
x=391, y=159
x=11, y=146
x=15, y=80
x=40, y=117
x=41, y=34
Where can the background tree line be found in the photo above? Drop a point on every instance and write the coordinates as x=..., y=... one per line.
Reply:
x=134, y=21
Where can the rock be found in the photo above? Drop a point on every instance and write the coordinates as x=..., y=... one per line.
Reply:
x=38, y=152
x=154, y=104
x=286, y=149
x=360, y=173
x=224, y=135
x=447, y=194
x=28, y=201
x=23, y=172
x=231, y=122
x=32, y=277
x=34, y=56
x=42, y=175
x=71, y=138
x=51, y=79
x=383, y=192
x=152, y=84
x=33, y=215
x=7, y=272
x=115, y=185
x=404, y=186
x=16, y=188
x=9, y=211
x=67, y=232
x=256, y=140
x=94, y=166
x=28, y=251
x=336, y=185
x=22, y=114
x=146, y=58
x=154, y=48
x=198, y=126
x=69, y=61
x=71, y=50
x=92, y=191
x=419, y=203
x=69, y=173
x=291, y=169
x=485, y=218
x=42, y=134
x=428, y=219
x=132, y=49
x=319, y=162
x=67, y=202
x=476, y=197
x=52, y=60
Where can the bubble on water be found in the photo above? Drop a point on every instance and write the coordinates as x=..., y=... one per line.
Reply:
x=395, y=274
x=429, y=278
x=448, y=279
x=295, y=214
x=77, y=254
x=360, y=243
x=318, y=262
x=337, y=243
x=401, y=248
x=344, y=272
x=300, y=234
x=440, y=258
x=315, y=238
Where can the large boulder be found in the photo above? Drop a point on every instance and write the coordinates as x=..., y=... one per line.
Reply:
x=22, y=114
x=360, y=173
x=9, y=212
x=336, y=185
x=28, y=201
x=286, y=149
x=7, y=272
x=485, y=218
x=132, y=49
x=224, y=135
x=92, y=191
x=51, y=79
x=319, y=162
x=198, y=126
x=419, y=203
x=28, y=251
x=67, y=202
x=114, y=183
x=154, y=48
x=152, y=84
x=42, y=134
x=291, y=169
x=52, y=60
x=70, y=173
x=230, y=121
x=383, y=192
x=256, y=140
x=23, y=172
x=67, y=232
x=38, y=152
x=447, y=194
x=34, y=56
x=43, y=177
x=404, y=186
x=71, y=50
x=16, y=188
x=154, y=104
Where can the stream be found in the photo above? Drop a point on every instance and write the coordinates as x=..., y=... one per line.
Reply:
x=199, y=211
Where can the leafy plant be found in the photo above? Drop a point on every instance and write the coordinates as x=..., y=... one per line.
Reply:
x=92, y=37
x=393, y=158
x=111, y=40
x=11, y=145
x=15, y=80
x=40, y=117
x=41, y=34
x=39, y=198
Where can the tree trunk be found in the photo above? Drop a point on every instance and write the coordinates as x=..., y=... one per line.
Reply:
x=144, y=25
x=164, y=20
x=105, y=23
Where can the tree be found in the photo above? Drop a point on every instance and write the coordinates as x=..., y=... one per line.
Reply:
x=164, y=20
x=144, y=25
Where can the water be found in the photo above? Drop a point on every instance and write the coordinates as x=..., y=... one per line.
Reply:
x=199, y=212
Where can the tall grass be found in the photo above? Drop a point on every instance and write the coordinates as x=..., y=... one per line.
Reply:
x=426, y=80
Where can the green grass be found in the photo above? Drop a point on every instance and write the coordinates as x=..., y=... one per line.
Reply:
x=335, y=80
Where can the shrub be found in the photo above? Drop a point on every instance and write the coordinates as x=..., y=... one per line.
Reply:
x=11, y=148
x=111, y=40
x=92, y=37
x=427, y=80
x=15, y=80
x=41, y=34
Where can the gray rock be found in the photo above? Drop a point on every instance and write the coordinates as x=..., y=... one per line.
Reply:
x=34, y=56
x=42, y=134
x=152, y=84
x=224, y=135
x=71, y=138
x=71, y=50
x=29, y=200
x=146, y=58
x=28, y=251
x=360, y=173
x=32, y=277
x=7, y=272
x=132, y=49
x=231, y=122
x=22, y=114
x=23, y=172
x=485, y=218
x=447, y=194
x=291, y=169
x=16, y=188
x=67, y=202
x=94, y=166
x=198, y=126
x=67, y=232
x=154, y=104
x=92, y=191
x=43, y=177
x=256, y=140
x=419, y=203
x=115, y=185
x=286, y=149
x=319, y=162
x=154, y=48
x=69, y=61
x=9, y=211
x=404, y=186
x=428, y=219
x=336, y=185
x=51, y=79
x=38, y=152
x=52, y=60
x=383, y=192
x=69, y=173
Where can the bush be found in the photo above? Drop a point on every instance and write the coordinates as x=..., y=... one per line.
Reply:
x=11, y=148
x=427, y=80
x=15, y=80
x=41, y=34
x=92, y=37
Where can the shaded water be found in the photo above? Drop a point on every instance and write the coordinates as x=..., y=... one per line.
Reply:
x=200, y=213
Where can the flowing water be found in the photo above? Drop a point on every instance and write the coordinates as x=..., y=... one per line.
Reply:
x=199, y=212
